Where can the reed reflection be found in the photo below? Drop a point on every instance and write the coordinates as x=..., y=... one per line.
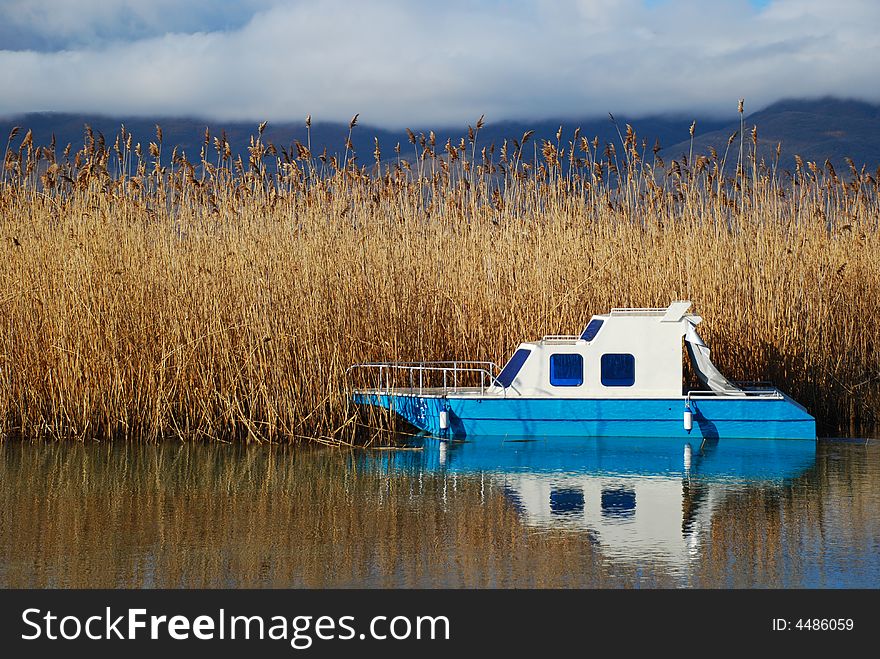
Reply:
x=503, y=514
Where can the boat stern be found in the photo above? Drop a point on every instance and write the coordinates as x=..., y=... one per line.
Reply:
x=420, y=411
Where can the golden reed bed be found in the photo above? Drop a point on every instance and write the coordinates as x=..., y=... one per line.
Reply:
x=145, y=296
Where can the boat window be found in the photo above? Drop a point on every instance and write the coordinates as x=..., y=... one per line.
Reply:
x=509, y=372
x=566, y=370
x=619, y=502
x=592, y=329
x=566, y=502
x=618, y=370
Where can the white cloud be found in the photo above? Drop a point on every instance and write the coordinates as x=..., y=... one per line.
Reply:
x=64, y=24
x=399, y=62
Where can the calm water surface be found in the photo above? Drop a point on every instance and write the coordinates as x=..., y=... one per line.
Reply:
x=585, y=513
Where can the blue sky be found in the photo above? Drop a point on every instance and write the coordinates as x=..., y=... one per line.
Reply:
x=403, y=62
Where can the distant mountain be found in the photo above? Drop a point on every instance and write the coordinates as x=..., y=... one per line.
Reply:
x=188, y=134
x=815, y=129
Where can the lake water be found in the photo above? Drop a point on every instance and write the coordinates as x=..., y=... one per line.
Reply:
x=493, y=513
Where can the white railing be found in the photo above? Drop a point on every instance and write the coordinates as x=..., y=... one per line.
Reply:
x=423, y=376
x=560, y=338
x=638, y=311
x=767, y=392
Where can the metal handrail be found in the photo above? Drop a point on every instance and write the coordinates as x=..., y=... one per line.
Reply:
x=760, y=393
x=453, y=362
x=561, y=337
x=447, y=368
x=638, y=311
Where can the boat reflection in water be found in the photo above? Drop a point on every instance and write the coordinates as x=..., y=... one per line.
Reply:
x=637, y=499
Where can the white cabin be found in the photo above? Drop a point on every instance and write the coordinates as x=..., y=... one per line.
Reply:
x=628, y=353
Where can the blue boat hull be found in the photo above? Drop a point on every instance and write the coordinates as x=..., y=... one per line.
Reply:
x=752, y=417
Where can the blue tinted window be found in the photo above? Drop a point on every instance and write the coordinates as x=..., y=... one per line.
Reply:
x=508, y=373
x=566, y=370
x=618, y=503
x=566, y=501
x=592, y=330
x=618, y=370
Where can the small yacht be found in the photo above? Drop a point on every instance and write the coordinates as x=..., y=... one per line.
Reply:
x=621, y=377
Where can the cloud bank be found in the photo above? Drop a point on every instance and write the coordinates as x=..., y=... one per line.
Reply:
x=410, y=62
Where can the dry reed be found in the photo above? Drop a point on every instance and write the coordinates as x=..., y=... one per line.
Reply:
x=146, y=296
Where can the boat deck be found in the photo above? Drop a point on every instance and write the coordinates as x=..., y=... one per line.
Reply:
x=483, y=392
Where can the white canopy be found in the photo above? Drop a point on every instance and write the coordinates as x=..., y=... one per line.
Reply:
x=708, y=373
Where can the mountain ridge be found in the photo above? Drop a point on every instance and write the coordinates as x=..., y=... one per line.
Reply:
x=818, y=129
